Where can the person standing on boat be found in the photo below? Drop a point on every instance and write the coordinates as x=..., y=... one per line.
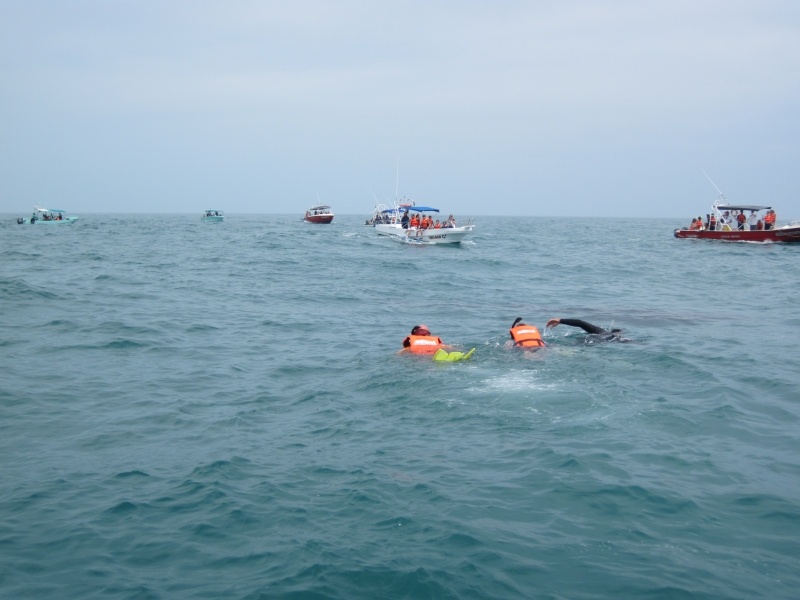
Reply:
x=741, y=220
x=712, y=222
x=404, y=220
x=752, y=220
x=596, y=334
x=769, y=219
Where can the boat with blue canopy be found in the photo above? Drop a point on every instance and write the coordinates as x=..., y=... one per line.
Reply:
x=48, y=216
x=398, y=221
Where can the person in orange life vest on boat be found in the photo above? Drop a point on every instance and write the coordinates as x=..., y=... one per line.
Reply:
x=769, y=219
x=526, y=336
x=422, y=342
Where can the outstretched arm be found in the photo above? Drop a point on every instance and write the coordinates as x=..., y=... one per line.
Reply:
x=587, y=327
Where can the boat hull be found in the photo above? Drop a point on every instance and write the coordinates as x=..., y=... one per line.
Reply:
x=318, y=218
x=212, y=219
x=450, y=235
x=63, y=221
x=780, y=235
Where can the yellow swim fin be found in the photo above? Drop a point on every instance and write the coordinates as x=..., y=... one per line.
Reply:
x=441, y=355
x=444, y=356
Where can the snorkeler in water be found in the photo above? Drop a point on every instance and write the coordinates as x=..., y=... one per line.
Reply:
x=525, y=336
x=596, y=334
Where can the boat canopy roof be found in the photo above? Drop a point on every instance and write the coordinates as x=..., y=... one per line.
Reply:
x=320, y=207
x=44, y=210
x=416, y=208
x=741, y=207
x=213, y=210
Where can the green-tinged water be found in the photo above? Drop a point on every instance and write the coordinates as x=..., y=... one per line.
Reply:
x=199, y=410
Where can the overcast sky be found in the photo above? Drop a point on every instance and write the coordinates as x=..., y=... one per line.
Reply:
x=537, y=108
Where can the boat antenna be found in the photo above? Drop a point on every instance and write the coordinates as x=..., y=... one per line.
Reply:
x=721, y=195
x=397, y=182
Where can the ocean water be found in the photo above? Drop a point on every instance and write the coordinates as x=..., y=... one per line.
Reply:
x=193, y=410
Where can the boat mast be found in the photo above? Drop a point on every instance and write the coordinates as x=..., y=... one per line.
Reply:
x=721, y=195
x=397, y=182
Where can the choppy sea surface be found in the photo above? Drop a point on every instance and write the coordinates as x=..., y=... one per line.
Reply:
x=192, y=410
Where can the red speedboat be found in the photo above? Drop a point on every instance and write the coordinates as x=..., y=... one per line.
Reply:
x=727, y=229
x=319, y=214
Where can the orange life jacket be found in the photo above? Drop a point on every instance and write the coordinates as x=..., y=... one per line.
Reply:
x=423, y=344
x=526, y=336
x=414, y=221
x=769, y=218
x=740, y=218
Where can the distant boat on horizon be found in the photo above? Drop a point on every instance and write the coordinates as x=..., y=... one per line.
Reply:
x=320, y=213
x=47, y=216
x=212, y=216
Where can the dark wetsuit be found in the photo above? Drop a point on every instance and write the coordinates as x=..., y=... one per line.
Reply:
x=596, y=334
x=404, y=221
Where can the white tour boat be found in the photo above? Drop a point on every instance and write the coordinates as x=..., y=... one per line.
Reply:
x=48, y=216
x=395, y=221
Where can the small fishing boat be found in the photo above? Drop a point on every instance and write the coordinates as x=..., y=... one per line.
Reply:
x=47, y=216
x=321, y=213
x=721, y=224
x=389, y=221
x=212, y=216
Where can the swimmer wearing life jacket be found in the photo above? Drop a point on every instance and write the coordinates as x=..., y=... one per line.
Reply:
x=422, y=342
x=526, y=336
x=596, y=334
